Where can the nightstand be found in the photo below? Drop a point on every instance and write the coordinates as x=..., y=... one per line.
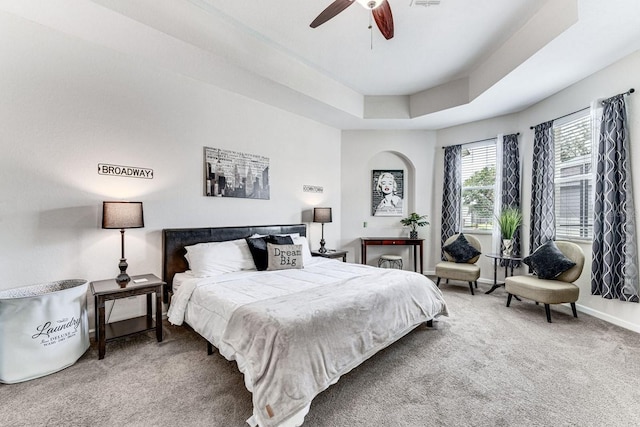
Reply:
x=105, y=290
x=332, y=253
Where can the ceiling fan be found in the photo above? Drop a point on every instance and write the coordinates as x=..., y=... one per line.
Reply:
x=380, y=10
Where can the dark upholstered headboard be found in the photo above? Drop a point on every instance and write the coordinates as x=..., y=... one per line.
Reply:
x=174, y=241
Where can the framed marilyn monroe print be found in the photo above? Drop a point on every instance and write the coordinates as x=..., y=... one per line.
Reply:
x=387, y=193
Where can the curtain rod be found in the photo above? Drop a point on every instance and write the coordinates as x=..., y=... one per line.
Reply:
x=473, y=142
x=629, y=92
x=562, y=117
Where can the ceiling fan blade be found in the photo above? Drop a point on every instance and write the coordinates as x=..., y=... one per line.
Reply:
x=384, y=19
x=332, y=10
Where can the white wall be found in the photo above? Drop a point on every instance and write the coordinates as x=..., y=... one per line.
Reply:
x=613, y=80
x=68, y=105
x=364, y=151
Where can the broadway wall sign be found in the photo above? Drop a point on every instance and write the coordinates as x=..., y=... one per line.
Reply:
x=126, y=171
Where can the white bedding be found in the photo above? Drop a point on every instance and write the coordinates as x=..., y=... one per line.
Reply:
x=307, y=327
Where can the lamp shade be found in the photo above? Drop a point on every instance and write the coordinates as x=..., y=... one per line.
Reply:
x=322, y=215
x=122, y=215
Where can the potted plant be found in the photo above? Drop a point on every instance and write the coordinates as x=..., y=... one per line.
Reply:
x=413, y=221
x=509, y=221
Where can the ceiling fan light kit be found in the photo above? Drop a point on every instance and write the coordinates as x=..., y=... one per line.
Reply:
x=370, y=4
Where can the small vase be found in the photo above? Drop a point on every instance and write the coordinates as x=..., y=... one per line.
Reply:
x=507, y=247
x=413, y=234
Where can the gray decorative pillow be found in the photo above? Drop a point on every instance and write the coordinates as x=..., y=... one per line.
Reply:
x=461, y=250
x=548, y=262
x=258, y=248
x=284, y=257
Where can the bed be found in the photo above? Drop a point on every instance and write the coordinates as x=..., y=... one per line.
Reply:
x=293, y=330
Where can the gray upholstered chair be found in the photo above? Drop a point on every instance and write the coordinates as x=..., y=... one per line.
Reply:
x=550, y=291
x=466, y=271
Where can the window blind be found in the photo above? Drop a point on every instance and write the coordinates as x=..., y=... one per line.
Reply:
x=574, y=176
x=478, y=169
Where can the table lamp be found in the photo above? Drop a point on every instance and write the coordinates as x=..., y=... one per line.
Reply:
x=322, y=215
x=122, y=215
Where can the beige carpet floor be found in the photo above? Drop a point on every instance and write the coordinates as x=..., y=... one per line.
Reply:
x=485, y=365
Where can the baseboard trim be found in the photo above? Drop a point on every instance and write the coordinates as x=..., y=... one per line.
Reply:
x=608, y=318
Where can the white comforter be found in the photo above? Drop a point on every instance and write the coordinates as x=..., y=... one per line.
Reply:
x=293, y=333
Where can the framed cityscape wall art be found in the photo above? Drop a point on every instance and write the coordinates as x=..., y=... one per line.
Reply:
x=230, y=173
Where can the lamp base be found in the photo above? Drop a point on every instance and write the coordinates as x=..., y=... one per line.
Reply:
x=322, y=249
x=123, y=278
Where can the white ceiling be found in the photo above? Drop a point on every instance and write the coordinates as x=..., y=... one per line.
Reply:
x=460, y=61
x=432, y=45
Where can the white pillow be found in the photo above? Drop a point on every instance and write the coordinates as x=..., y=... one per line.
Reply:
x=292, y=235
x=214, y=258
x=306, y=252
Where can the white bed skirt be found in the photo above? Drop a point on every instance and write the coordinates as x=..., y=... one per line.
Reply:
x=43, y=329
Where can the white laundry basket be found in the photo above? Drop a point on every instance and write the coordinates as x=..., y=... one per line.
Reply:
x=43, y=329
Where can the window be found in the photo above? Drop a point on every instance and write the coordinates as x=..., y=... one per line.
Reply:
x=573, y=176
x=478, y=186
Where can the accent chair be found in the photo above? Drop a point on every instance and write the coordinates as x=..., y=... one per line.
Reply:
x=466, y=271
x=559, y=290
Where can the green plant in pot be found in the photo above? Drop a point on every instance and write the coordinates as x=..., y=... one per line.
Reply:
x=509, y=221
x=413, y=221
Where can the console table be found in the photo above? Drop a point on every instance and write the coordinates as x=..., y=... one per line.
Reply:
x=393, y=241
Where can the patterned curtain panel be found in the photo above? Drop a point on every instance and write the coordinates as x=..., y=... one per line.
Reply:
x=511, y=183
x=451, y=193
x=614, y=270
x=543, y=218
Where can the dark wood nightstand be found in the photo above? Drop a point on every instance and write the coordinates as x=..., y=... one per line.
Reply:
x=332, y=253
x=105, y=290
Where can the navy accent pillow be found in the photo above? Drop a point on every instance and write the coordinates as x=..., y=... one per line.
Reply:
x=461, y=250
x=258, y=248
x=548, y=262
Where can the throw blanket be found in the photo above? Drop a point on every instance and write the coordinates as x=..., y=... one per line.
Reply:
x=294, y=346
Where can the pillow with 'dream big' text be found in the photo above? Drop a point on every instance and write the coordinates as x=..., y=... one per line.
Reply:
x=284, y=257
x=258, y=248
